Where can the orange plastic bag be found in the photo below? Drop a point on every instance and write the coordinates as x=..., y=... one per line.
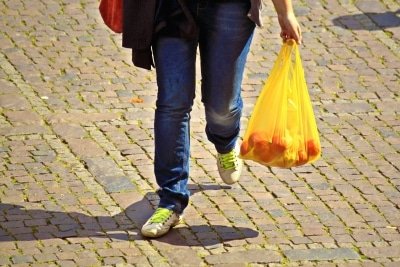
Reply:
x=282, y=131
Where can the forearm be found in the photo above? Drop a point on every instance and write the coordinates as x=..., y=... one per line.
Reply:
x=290, y=28
x=283, y=7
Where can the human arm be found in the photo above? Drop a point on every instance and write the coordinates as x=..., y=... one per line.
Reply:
x=290, y=28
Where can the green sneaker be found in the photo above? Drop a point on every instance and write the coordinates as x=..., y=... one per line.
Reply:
x=160, y=222
x=230, y=166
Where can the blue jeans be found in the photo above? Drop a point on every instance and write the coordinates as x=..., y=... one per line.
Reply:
x=225, y=34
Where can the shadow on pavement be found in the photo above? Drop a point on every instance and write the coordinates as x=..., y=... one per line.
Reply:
x=20, y=224
x=384, y=20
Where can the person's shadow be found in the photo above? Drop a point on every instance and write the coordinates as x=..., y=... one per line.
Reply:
x=18, y=223
x=384, y=20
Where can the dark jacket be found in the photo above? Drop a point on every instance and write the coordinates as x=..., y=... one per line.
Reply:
x=145, y=19
x=138, y=28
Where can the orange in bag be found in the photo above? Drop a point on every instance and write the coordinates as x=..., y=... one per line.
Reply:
x=313, y=148
x=281, y=143
x=263, y=150
x=244, y=148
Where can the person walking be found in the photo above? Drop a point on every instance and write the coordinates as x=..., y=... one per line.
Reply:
x=223, y=31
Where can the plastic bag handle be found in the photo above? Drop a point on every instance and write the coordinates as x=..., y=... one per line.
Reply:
x=290, y=42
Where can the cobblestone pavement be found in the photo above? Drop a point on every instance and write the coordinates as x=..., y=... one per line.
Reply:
x=76, y=148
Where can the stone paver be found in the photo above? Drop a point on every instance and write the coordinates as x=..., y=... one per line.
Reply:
x=76, y=148
x=321, y=254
